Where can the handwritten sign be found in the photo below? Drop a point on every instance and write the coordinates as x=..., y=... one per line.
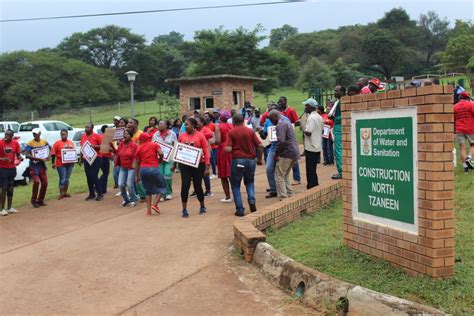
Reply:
x=40, y=152
x=88, y=152
x=118, y=133
x=167, y=151
x=68, y=155
x=187, y=155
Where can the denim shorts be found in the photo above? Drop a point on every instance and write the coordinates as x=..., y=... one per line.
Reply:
x=152, y=180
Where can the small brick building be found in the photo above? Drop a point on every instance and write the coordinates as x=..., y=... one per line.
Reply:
x=205, y=93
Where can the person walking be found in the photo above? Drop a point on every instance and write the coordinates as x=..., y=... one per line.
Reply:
x=245, y=146
x=312, y=141
x=166, y=136
x=204, y=129
x=286, y=154
x=64, y=169
x=464, y=122
x=224, y=159
x=335, y=114
x=9, y=153
x=327, y=141
x=92, y=170
x=196, y=139
x=38, y=168
x=122, y=123
x=105, y=165
x=125, y=156
x=132, y=125
x=147, y=158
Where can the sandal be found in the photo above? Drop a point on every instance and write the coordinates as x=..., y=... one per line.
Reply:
x=155, y=208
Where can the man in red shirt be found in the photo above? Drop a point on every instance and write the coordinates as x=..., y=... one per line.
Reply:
x=92, y=170
x=464, y=121
x=245, y=147
x=291, y=114
x=9, y=150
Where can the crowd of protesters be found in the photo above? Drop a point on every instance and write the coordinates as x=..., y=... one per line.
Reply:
x=232, y=143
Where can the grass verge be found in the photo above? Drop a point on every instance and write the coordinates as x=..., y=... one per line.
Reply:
x=316, y=241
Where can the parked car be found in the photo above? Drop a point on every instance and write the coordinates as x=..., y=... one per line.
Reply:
x=22, y=175
x=76, y=138
x=50, y=130
x=14, y=126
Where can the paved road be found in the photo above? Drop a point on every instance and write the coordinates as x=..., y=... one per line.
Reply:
x=93, y=257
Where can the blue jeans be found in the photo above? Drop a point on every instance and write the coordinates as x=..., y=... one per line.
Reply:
x=116, y=174
x=64, y=174
x=328, y=152
x=126, y=180
x=270, y=169
x=242, y=168
x=214, y=161
x=296, y=172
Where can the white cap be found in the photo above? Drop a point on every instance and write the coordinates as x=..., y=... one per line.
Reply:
x=36, y=131
x=117, y=118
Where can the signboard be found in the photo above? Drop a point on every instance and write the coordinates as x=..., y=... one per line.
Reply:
x=88, y=152
x=384, y=166
x=167, y=151
x=187, y=155
x=68, y=155
x=40, y=152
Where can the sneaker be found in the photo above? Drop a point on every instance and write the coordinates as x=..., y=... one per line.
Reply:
x=35, y=205
x=194, y=194
x=118, y=193
x=239, y=214
x=133, y=204
x=213, y=177
x=208, y=194
x=466, y=167
x=470, y=163
x=185, y=213
x=224, y=200
x=4, y=213
x=12, y=210
x=124, y=203
x=168, y=197
x=90, y=197
x=253, y=207
x=202, y=210
x=271, y=195
x=162, y=199
x=100, y=197
x=336, y=176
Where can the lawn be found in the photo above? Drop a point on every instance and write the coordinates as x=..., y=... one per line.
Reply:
x=316, y=241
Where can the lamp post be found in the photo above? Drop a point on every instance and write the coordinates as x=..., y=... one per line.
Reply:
x=131, y=78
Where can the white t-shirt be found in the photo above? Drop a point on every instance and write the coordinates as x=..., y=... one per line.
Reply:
x=314, y=125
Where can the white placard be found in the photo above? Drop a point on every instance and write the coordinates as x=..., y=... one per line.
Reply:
x=272, y=132
x=40, y=152
x=68, y=155
x=187, y=155
x=118, y=133
x=326, y=131
x=167, y=151
x=88, y=152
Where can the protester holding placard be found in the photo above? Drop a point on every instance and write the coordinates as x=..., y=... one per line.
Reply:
x=9, y=150
x=189, y=173
x=105, y=165
x=122, y=124
x=166, y=136
x=224, y=159
x=38, y=152
x=91, y=168
x=203, y=128
x=147, y=159
x=63, y=158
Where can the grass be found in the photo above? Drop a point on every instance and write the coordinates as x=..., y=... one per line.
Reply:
x=316, y=241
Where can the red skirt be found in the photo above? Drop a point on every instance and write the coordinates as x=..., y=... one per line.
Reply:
x=224, y=162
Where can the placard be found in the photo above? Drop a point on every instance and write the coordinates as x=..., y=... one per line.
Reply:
x=272, y=133
x=106, y=140
x=88, y=152
x=326, y=131
x=167, y=151
x=118, y=133
x=40, y=152
x=68, y=155
x=187, y=155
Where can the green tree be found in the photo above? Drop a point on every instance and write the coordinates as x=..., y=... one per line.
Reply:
x=110, y=47
x=172, y=39
x=459, y=48
x=345, y=74
x=281, y=34
x=434, y=37
x=315, y=74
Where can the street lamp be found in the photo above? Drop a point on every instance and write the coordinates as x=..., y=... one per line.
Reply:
x=131, y=77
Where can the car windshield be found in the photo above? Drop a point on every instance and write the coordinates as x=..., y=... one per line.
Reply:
x=28, y=127
x=15, y=127
x=77, y=136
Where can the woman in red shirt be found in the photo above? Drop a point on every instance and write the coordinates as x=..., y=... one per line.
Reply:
x=196, y=139
x=124, y=157
x=203, y=128
x=224, y=159
x=64, y=169
x=148, y=158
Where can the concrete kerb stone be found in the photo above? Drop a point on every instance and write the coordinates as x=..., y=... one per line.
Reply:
x=315, y=288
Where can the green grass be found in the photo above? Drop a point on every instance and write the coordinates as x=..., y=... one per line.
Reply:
x=316, y=241
x=294, y=96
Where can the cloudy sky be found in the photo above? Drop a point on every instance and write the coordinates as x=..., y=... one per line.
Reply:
x=306, y=16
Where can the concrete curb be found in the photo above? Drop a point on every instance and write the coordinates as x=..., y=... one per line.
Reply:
x=318, y=290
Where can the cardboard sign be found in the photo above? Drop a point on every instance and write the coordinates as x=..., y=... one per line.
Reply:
x=88, y=152
x=106, y=140
x=187, y=155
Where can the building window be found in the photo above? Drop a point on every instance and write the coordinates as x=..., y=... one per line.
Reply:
x=194, y=104
x=237, y=96
x=209, y=102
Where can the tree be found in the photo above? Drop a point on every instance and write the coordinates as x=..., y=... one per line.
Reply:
x=434, y=35
x=173, y=39
x=281, y=34
x=459, y=48
x=109, y=47
x=345, y=74
x=315, y=74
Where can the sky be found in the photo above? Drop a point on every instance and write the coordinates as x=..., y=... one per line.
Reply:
x=307, y=16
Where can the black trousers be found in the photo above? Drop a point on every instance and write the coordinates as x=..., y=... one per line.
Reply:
x=312, y=160
x=195, y=175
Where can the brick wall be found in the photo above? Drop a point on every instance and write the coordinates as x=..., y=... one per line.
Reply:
x=248, y=230
x=431, y=251
x=220, y=89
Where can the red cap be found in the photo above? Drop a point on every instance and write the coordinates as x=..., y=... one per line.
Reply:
x=144, y=137
x=375, y=81
x=464, y=94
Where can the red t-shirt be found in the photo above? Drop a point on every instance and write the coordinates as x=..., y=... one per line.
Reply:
x=243, y=142
x=198, y=140
x=291, y=115
x=263, y=118
x=206, y=131
x=94, y=139
x=56, y=151
x=147, y=154
x=9, y=150
x=327, y=120
x=126, y=154
x=212, y=127
x=464, y=117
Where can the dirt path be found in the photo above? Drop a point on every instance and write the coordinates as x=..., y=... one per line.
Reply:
x=93, y=257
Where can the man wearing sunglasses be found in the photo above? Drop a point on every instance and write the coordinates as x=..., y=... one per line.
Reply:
x=9, y=150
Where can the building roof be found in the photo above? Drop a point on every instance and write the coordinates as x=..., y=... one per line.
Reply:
x=213, y=77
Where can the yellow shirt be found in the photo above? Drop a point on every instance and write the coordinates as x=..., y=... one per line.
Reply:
x=136, y=136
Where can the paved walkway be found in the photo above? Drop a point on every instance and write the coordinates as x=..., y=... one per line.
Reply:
x=94, y=257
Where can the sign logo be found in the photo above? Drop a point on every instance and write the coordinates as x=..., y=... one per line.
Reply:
x=366, y=142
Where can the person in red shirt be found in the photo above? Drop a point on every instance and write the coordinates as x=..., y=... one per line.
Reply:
x=9, y=150
x=92, y=170
x=124, y=157
x=245, y=146
x=291, y=114
x=196, y=139
x=464, y=122
x=327, y=141
x=224, y=159
x=204, y=128
x=64, y=169
x=105, y=166
x=148, y=159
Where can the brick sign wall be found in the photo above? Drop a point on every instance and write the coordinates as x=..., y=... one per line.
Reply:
x=398, y=179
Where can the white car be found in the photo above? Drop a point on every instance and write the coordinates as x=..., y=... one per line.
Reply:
x=78, y=132
x=50, y=131
x=14, y=126
x=21, y=176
